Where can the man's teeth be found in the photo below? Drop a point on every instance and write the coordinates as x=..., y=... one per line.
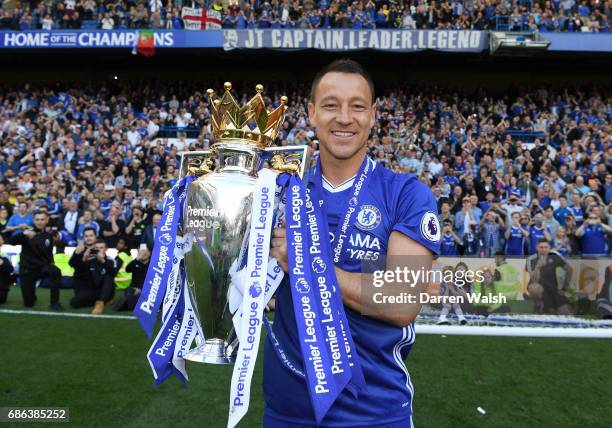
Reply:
x=343, y=134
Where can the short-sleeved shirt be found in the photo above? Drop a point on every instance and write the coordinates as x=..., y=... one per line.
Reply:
x=391, y=202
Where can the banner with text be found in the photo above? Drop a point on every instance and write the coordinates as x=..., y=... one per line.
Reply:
x=347, y=40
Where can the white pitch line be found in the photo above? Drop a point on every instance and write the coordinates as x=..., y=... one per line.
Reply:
x=577, y=333
x=66, y=314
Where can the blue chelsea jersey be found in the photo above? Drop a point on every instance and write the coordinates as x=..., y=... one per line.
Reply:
x=391, y=202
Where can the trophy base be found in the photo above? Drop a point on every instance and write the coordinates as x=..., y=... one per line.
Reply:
x=212, y=351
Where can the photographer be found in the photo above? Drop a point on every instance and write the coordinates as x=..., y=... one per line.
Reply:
x=36, y=261
x=94, y=274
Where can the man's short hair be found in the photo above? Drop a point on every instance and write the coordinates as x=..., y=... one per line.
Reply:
x=87, y=229
x=343, y=65
x=543, y=241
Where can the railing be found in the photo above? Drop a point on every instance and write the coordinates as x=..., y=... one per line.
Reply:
x=526, y=137
x=173, y=131
x=505, y=23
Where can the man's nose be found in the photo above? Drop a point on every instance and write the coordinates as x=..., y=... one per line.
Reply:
x=344, y=116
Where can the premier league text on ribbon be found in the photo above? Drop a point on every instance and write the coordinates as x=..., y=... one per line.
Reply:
x=319, y=267
x=301, y=284
x=166, y=241
x=257, y=273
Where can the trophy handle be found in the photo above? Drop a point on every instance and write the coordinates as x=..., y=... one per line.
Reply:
x=291, y=159
x=196, y=163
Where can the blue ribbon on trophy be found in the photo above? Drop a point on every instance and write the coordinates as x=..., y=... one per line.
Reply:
x=154, y=288
x=167, y=283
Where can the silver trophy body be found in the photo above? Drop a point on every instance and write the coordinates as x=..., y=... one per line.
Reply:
x=218, y=209
x=217, y=213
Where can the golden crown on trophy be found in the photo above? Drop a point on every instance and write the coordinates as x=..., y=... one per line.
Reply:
x=252, y=122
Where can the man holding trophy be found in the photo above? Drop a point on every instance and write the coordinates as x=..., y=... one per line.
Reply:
x=394, y=215
x=233, y=234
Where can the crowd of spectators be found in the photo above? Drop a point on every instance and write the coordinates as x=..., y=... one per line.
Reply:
x=507, y=170
x=524, y=15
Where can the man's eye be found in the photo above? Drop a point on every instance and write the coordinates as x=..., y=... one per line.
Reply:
x=329, y=106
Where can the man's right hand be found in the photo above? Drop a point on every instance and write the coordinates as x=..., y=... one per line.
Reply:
x=29, y=234
x=86, y=254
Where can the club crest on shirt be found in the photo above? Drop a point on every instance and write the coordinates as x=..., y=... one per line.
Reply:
x=430, y=227
x=368, y=218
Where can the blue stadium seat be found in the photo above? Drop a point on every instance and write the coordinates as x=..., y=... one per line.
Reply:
x=89, y=25
x=172, y=132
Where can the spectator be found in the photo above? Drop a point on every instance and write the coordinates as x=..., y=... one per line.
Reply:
x=112, y=228
x=592, y=234
x=20, y=220
x=515, y=236
x=561, y=243
x=4, y=219
x=491, y=226
x=549, y=221
x=148, y=237
x=450, y=240
x=70, y=223
x=135, y=229
x=538, y=232
x=87, y=222
x=576, y=209
x=562, y=211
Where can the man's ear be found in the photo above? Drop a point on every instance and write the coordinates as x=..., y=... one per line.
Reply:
x=311, y=114
x=373, y=117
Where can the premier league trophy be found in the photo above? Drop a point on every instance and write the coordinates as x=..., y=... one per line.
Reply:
x=218, y=209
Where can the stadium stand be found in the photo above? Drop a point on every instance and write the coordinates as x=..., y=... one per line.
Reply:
x=522, y=15
x=546, y=147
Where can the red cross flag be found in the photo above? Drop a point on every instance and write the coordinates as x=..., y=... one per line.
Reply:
x=201, y=19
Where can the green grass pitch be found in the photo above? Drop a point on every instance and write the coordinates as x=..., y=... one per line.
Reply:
x=97, y=368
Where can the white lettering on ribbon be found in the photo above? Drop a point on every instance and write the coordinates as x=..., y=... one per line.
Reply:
x=254, y=295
